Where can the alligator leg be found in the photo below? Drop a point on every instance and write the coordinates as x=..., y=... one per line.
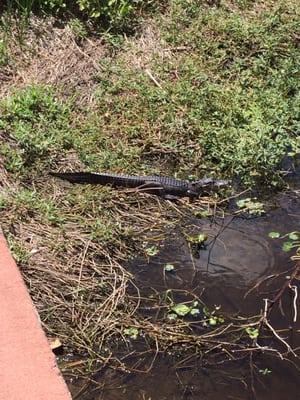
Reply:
x=152, y=188
x=155, y=188
x=171, y=197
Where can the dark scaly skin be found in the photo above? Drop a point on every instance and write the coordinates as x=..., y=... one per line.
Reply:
x=161, y=185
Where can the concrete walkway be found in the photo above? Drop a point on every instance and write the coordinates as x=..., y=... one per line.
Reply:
x=28, y=370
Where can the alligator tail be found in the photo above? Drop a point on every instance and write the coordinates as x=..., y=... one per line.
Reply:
x=79, y=177
x=116, y=180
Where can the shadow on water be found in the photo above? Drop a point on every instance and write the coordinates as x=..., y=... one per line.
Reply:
x=238, y=255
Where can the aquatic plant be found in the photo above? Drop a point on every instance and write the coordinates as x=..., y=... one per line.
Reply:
x=292, y=243
x=251, y=205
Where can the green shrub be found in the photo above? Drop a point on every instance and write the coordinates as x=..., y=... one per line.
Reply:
x=113, y=11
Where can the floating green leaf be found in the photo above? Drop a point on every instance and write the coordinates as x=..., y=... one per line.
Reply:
x=199, y=238
x=293, y=236
x=169, y=268
x=274, y=235
x=152, y=251
x=172, y=317
x=132, y=332
x=242, y=203
x=213, y=321
x=181, y=309
x=252, y=332
x=251, y=205
x=287, y=246
x=194, y=311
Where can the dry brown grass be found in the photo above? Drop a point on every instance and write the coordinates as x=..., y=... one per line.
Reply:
x=149, y=47
x=49, y=55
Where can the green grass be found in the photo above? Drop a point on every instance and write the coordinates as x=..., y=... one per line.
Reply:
x=242, y=73
x=233, y=107
x=37, y=126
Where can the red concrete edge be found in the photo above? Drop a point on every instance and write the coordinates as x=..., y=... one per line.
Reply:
x=28, y=369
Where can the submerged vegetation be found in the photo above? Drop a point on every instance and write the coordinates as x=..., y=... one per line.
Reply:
x=197, y=89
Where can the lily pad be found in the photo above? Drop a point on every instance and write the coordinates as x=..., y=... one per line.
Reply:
x=152, y=251
x=243, y=202
x=169, y=268
x=181, y=309
x=274, y=235
x=132, y=332
x=194, y=311
x=252, y=332
x=287, y=246
x=200, y=238
x=293, y=236
x=253, y=206
x=212, y=321
x=172, y=316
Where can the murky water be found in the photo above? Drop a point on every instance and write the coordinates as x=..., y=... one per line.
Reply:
x=167, y=383
x=239, y=254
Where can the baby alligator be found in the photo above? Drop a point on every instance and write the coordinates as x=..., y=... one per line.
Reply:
x=167, y=187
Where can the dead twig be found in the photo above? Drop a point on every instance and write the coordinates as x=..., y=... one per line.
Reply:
x=153, y=79
x=295, y=290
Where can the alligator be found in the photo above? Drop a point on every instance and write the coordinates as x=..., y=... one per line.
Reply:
x=167, y=187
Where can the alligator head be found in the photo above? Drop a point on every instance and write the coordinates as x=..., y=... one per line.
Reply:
x=206, y=185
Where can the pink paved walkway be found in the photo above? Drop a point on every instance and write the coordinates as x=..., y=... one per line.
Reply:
x=28, y=370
